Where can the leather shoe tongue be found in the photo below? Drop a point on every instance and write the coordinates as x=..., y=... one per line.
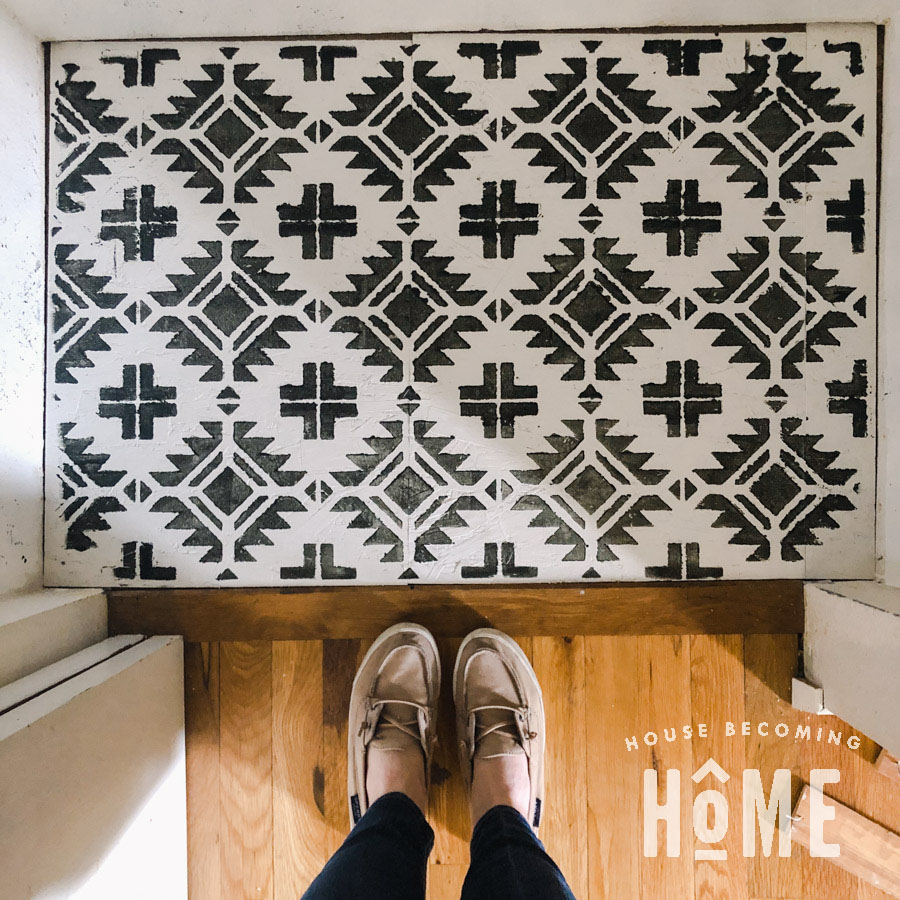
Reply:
x=501, y=742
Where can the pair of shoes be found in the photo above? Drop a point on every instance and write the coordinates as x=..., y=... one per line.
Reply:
x=393, y=705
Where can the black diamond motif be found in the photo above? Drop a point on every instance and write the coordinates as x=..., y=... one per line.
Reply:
x=590, y=489
x=228, y=133
x=590, y=307
x=591, y=127
x=774, y=308
x=409, y=129
x=227, y=310
x=774, y=489
x=408, y=310
x=228, y=491
x=409, y=490
x=773, y=126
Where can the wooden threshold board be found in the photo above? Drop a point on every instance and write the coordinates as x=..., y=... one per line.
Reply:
x=866, y=849
x=272, y=614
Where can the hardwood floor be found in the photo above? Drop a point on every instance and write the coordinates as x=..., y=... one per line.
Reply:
x=266, y=735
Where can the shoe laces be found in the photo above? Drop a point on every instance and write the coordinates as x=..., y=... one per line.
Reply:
x=383, y=719
x=517, y=721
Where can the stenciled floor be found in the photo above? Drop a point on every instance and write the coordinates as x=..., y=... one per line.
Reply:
x=462, y=307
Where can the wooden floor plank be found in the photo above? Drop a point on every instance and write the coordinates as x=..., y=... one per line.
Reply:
x=445, y=881
x=559, y=665
x=526, y=642
x=717, y=697
x=769, y=664
x=724, y=607
x=300, y=831
x=245, y=786
x=613, y=772
x=855, y=789
x=201, y=727
x=665, y=687
x=821, y=878
x=448, y=807
x=340, y=659
x=879, y=799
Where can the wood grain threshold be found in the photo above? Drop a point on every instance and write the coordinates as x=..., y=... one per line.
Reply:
x=273, y=614
x=865, y=849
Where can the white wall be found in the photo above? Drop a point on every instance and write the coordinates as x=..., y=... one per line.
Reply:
x=21, y=304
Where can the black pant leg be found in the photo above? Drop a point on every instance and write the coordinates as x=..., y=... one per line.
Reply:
x=383, y=858
x=510, y=863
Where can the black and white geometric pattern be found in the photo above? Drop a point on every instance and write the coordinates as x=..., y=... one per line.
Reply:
x=462, y=308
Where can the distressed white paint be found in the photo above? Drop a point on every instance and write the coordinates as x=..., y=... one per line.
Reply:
x=62, y=20
x=40, y=628
x=21, y=304
x=851, y=649
x=92, y=783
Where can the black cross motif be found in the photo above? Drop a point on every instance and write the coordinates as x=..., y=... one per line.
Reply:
x=318, y=62
x=330, y=570
x=853, y=50
x=505, y=402
x=318, y=220
x=682, y=57
x=139, y=224
x=682, y=217
x=498, y=219
x=499, y=59
x=683, y=562
x=503, y=562
x=137, y=562
x=143, y=64
x=849, y=215
x=849, y=398
x=138, y=405
x=682, y=397
x=318, y=400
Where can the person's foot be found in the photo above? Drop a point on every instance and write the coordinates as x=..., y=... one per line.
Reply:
x=392, y=718
x=500, y=725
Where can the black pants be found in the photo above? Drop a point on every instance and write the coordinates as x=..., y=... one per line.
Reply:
x=385, y=856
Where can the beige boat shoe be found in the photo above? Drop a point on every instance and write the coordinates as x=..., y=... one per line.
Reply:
x=393, y=704
x=499, y=709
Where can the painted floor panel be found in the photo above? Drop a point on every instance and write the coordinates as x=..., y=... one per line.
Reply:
x=462, y=307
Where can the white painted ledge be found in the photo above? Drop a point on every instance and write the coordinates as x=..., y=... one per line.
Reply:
x=41, y=628
x=92, y=783
x=851, y=650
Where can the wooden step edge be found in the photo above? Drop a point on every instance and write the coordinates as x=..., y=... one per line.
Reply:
x=728, y=607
